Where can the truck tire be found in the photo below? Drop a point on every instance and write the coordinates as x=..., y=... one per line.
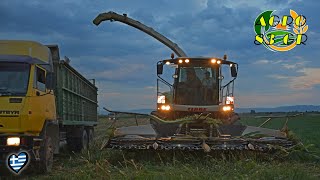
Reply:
x=90, y=135
x=84, y=140
x=77, y=144
x=46, y=155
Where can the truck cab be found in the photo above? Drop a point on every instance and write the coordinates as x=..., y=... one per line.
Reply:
x=27, y=101
x=24, y=87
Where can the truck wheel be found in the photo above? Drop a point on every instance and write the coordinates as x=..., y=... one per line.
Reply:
x=84, y=140
x=90, y=135
x=77, y=139
x=46, y=155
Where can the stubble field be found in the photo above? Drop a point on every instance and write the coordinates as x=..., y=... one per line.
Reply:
x=115, y=164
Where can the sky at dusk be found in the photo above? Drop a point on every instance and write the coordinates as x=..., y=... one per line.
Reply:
x=123, y=59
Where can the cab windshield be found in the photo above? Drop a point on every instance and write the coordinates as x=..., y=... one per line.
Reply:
x=197, y=86
x=14, y=79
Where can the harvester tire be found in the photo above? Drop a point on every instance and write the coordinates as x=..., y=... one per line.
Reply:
x=46, y=155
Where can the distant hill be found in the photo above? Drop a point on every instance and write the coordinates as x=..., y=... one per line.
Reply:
x=298, y=108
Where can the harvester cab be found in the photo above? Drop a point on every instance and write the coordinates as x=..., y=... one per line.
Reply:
x=198, y=87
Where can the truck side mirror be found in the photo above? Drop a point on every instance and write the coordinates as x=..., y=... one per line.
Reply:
x=233, y=70
x=50, y=83
x=159, y=68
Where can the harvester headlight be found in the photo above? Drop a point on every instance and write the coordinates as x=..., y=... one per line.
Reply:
x=231, y=65
x=180, y=61
x=213, y=61
x=13, y=141
x=165, y=107
x=161, y=99
x=168, y=63
x=218, y=62
x=187, y=61
x=230, y=100
x=227, y=108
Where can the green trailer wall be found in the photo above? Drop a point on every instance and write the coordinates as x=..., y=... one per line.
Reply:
x=76, y=97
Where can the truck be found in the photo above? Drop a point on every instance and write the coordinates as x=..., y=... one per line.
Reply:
x=43, y=101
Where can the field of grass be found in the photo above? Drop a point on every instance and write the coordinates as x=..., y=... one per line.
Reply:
x=305, y=127
x=115, y=164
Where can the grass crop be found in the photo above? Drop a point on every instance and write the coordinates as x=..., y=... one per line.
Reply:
x=116, y=164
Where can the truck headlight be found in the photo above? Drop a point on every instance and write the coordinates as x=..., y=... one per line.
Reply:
x=227, y=108
x=13, y=141
x=165, y=107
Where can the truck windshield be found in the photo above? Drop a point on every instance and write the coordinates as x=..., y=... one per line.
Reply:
x=197, y=86
x=14, y=79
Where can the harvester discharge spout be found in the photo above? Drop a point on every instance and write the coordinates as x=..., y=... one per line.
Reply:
x=112, y=16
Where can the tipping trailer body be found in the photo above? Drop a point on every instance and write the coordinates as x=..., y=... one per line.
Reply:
x=76, y=96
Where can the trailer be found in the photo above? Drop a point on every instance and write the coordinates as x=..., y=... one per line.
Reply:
x=76, y=102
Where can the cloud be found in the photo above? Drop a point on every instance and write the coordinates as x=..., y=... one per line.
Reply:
x=261, y=5
x=276, y=79
x=264, y=61
x=111, y=94
x=151, y=87
x=290, y=66
x=121, y=96
x=295, y=73
x=123, y=59
x=310, y=79
x=276, y=99
x=275, y=76
x=121, y=73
